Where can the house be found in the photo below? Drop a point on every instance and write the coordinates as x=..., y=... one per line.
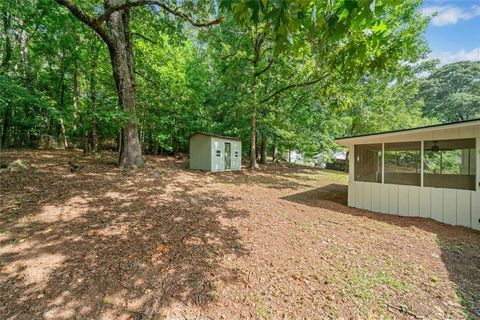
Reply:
x=431, y=172
x=215, y=153
x=337, y=161
x=296, y=157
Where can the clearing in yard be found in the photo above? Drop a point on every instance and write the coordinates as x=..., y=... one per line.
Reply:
x=167, y=242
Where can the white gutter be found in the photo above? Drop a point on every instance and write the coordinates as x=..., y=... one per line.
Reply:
x=352, y=140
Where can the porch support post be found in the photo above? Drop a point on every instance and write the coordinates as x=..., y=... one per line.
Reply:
x=477, y=156
x=421, y=162
x=351, y=162
x=383, y=163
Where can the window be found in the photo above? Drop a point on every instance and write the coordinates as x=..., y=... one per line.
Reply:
x=218, y=153
x=450, y=164
x=403, y=163
x=235, y=153
x=368, y=162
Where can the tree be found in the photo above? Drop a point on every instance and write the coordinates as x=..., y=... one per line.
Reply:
x=452, y=92
x=383, y=104
x=117, y=37
x=317, y=39
x=306, y=79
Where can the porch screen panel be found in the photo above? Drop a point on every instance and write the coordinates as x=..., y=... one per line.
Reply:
x=450, y=164
x=368, y=162
x=403, y=163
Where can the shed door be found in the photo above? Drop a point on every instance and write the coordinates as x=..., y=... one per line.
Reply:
x=228, y=156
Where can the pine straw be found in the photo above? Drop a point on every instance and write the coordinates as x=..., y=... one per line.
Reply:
x=166, y=242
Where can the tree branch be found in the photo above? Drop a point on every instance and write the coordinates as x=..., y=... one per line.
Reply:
x=265, y=69
x=235, y=50
x=295, y=85
x=162, y=5
x=88, y=20
x=155, y=84
x=143, y=37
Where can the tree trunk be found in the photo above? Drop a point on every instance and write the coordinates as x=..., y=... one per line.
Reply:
x=23, y=44
x=253, y=140
x=7, y=52
x=263, y=149
x=253, y=121
x=93, y=100
x=253, y=127
x=6, y=127
x=122, y=64
x=63, y=132
x=7, y=56
x=76, y=95
x=275, y=152
x=87, y=147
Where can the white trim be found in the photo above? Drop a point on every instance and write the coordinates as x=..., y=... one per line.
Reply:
x=383, y=163
x=359, y=139
x=421, y=162
x=477, y=156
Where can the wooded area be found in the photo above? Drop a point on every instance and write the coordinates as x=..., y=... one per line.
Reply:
x=141, y=76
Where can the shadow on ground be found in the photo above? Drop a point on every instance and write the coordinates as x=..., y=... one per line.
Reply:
x=120, y=244
x=278, y=176
x=460, y=246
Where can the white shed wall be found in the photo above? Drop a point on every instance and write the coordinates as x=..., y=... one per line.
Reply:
x=200, y=155
x=451, y=206
x=218, y=163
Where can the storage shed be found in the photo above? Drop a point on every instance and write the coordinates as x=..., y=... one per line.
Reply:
x=431, y=172
x=215, y=153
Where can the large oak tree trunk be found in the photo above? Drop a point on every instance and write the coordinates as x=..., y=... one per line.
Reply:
x=122, y=64
x=263, y=149
x=253, y=125
x=275, y=151
x=63, y=131
x=7, y=56
x=75, y=97
x=93, y=99
x=253, y=141
x=6, y=127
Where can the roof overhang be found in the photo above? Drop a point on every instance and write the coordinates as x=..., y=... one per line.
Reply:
x=214, y=135
x=346, y=141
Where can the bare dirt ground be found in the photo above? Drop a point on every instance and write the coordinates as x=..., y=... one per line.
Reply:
x=164, y=242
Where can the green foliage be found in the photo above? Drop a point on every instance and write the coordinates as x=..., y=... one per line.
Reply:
x=452, y=92
x=309, y=71
x=26, y=106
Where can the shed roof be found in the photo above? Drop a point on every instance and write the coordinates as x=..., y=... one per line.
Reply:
x=458, y=124
x=214, y=135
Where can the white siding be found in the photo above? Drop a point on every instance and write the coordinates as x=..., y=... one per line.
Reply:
x=392, y=198
x=425, y=201
x=236, y=161
x=383, y=198
x=403, y=200
x=450, y=206
x=351, y=193
x=476, y=210
x=203, y=153
x=200, y=154
x=376, y=197
x=359, y=195
x=457, y=207
x=218, y=163
x=463, y=208
x=367, y=196
x=413, y=201
x=437, y=204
